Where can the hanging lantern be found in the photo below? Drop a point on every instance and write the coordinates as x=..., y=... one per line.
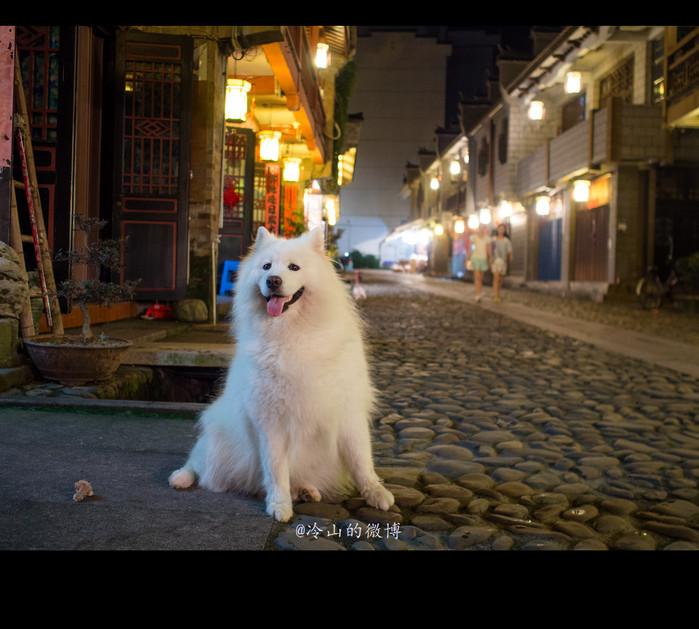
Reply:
x=439, y=229
x=484, y=216
x=536, y=110
x=292, y=169
x=269, y=145
x=455, y=167
x=573, y=83
x=473, y=221
x=504, y=210
x=322, y=55
x=237, y=99
x=543, y=205
x=434, y=183
x=330, y=212
x=459, y=226
x=581, y=190
x=466, y=157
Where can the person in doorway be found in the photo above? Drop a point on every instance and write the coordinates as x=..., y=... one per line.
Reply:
x=502, y=258
x=480, y=258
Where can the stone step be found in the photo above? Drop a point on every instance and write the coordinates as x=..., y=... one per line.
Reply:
x=171, y=354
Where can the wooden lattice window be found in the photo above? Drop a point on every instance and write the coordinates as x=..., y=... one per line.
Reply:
x=618, y=83
x=234, y=174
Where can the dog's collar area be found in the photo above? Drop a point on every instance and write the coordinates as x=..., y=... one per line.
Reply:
x=296, y=296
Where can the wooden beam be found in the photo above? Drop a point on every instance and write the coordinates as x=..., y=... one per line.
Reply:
x=7, y=69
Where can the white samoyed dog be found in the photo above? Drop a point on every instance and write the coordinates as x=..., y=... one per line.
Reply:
x=293, y=419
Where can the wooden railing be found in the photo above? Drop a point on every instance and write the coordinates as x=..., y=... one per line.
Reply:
x=298, y=42
x=683, y=66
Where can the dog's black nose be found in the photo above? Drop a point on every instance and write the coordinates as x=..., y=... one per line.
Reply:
x=274, y=282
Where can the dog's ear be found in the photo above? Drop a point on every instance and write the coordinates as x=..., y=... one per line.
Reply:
x=262, y=235
x=317, y=238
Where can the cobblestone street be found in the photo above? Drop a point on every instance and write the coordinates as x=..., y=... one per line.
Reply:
x=494, y=434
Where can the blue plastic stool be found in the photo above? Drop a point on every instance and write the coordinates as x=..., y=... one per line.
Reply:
x=228, y=277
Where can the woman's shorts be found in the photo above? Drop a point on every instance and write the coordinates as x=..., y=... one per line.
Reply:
x=479, y=264
x=499, y=266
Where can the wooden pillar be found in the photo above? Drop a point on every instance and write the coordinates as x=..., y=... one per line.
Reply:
x=7, y=71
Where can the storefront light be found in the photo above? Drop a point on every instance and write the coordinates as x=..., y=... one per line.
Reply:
x=543, y=205
x=410, y=237
x=473, y=221
x=504, y=210
x=236, y=105
x=581, y=191
x=459, y=226
x=339, y=170
x=518, y=218
x=466, y=157
x=434, y=183
x=455, y=167
x=424, y=236
x=573, y=83
x=485, y=217
x=536, y=110
x=292, y=169
x=322, y=55
x=269, y=145
x=439, y=229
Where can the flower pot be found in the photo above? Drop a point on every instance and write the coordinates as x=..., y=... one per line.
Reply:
x=72, y=362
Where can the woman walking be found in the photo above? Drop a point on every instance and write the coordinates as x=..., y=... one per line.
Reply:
x=480, y=258
x=502, y=258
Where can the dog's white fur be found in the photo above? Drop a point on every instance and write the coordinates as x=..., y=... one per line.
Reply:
x=293, y=419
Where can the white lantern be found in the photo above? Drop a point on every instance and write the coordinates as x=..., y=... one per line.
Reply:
x=434, y=183
x=536, y=110
x=438, y=229
x=236, y=105
x=459, y=226
x=269, y=145
x=505, y=209
x=484, y=216
x=473, y=221
x=292, y=169
x=573, y=83
x=581, y=190
x=455, y=167
x=543, y=205
x=322, y=55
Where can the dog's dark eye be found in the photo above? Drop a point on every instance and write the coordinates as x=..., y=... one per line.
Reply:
x=294, y=267
x=267, y=266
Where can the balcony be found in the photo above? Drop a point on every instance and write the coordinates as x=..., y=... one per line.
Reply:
x=619, y=132
x=682, y=81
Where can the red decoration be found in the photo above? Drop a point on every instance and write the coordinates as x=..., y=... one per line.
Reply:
x=230, y=197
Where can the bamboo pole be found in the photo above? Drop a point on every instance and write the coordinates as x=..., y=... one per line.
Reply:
x=26, y=320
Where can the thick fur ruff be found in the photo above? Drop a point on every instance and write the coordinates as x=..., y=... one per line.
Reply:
x=293, y=418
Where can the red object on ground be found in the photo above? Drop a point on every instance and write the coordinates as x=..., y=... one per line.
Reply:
x=158, y=311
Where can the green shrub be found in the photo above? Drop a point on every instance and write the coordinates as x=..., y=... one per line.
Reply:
x=688, y=270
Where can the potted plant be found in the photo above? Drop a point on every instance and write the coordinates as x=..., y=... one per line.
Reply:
x=78, y=359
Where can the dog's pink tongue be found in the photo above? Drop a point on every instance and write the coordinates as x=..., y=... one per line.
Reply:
x=275, y=305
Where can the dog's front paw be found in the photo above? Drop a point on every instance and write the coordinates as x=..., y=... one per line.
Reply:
x=378, y=496
x=280, y=511
x=182, y=478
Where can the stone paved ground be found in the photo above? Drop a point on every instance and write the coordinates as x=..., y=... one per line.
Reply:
x=665, y=322
x=496, y=435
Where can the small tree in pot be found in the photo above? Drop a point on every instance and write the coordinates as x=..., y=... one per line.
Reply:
x=84, y=358
x=102, y=253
